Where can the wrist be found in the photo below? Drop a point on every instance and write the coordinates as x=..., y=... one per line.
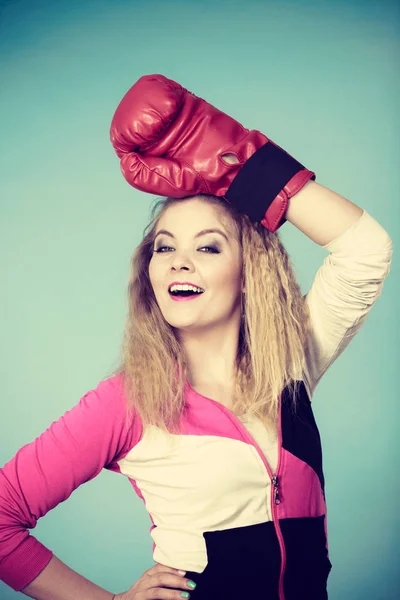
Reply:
x=264, y=184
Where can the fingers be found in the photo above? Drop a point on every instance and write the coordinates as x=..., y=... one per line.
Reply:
x=160, y=582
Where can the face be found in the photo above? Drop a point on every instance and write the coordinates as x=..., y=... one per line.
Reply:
x=210, y=261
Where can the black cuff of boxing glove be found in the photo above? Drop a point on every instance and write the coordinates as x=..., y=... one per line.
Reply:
x=261, y=179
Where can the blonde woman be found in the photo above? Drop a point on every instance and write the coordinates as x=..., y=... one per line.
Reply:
x=209, y=415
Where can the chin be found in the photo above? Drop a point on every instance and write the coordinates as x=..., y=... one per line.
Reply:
x=182, y=324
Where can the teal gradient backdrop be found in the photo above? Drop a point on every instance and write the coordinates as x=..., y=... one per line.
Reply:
x=321, y=79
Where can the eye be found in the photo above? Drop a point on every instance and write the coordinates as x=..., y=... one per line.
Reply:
x=213, y=249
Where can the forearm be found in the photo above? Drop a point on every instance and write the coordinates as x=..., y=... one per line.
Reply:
x=320, y=213
x=58, y=582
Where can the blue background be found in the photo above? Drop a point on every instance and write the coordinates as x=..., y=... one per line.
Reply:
x=321, y=79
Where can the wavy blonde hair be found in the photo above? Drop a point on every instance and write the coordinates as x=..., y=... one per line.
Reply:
x=273, y=333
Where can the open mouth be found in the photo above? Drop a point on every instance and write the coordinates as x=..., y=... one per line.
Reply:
x=180, y=295
x=185, y=293
x=184, y=288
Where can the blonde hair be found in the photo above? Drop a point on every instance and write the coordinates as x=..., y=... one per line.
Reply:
x=273, y=333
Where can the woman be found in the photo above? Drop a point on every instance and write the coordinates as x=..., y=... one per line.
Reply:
x=209, y=415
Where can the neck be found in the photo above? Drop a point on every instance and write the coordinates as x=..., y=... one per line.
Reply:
x=211, y=355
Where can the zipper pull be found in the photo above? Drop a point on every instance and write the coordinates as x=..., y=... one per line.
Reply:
x=274, y=480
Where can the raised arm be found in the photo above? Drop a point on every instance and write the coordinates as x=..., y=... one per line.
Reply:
x=320, y=213
x=350, y=280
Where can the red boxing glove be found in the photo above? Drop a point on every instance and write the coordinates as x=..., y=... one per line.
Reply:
x=171, y=143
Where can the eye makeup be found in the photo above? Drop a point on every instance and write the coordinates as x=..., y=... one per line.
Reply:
x=214, y=249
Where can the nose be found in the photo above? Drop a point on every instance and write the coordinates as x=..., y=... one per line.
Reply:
x=180, y=262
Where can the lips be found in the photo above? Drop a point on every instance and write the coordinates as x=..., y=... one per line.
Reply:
x=184, y=298
x=183, y=283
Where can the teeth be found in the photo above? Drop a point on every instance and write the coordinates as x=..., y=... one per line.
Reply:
x=175, y=288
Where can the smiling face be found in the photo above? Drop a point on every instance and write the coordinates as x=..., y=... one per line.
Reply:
x=211, y=261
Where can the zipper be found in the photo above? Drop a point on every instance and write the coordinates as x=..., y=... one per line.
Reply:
x=275, y=497
x=276, y=500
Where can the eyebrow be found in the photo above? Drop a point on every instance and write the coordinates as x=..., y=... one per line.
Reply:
x=202, y=232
